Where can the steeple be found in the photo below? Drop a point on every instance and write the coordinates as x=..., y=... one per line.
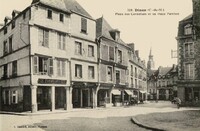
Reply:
x=150, y=63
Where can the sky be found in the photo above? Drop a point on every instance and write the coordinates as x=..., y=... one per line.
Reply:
x=146, y=31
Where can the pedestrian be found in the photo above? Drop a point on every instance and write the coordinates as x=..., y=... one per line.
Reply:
x=178, y=102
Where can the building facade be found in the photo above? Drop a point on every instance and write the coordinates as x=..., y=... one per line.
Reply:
x=188, y=44
x=54, y=55
x=162, y=83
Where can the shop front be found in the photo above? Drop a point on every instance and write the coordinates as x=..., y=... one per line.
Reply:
x=84, y=95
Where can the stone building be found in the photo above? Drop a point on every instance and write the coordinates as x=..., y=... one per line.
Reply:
x=116, y=61
x=162, y=83
x=188, y=44
x=54, y=55
x=48, y=57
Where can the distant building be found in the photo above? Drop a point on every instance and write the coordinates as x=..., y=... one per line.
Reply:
x=162, y=83
x=189, y=56
x=150, y=63
x=115, y=57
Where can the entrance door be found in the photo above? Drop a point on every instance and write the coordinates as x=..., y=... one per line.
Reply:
x=44, y=98
x=7, y=97
x=60, y=97
x=85, y=98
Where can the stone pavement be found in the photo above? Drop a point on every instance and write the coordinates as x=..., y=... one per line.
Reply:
x=10, y=121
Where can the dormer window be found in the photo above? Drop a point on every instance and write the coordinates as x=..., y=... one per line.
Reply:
x=13, y=24
x=83, y=25
x=188, y=29
x=115, y=34
x=49, y=14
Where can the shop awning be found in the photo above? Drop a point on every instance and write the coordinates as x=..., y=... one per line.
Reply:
x=116, y=92
x=142, y=91
x=129, y=92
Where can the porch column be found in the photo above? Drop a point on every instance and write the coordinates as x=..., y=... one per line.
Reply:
x=68, y=104
x=94, y=101
x=52, y=98
x=88, y=97
x=110, y=95
x=34, y=107
x=81, y=98
x=157, y=95
x=123, y=97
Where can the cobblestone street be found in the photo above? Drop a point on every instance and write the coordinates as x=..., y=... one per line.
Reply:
x=101, y=119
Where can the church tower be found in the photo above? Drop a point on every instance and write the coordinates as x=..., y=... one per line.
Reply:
x=150, y=64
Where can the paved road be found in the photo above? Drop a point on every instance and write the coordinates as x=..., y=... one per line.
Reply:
x=112, y=119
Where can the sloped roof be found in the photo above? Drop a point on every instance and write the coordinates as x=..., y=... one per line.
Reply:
x=103, y=29
x=65, y=5
x=74, y=6
x=188, y=17
x=164, y=70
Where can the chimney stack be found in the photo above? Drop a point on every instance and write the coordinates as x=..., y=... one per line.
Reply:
x=132, y=45
x=137, y=53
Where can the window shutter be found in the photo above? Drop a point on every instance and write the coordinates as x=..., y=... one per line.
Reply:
x=63, y=68
x=83, y=25
x=50, y=66
x=59, y=41
x=111, y=53
x=40, y=37
x=35, y=64
x=58, y=68
x=81, y=71
x=46, y=38
x=64, y=42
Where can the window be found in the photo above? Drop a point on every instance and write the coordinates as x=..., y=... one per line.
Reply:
x=5, y=30
x=14, y=97
x=61, y=41
x=189, y=50
x=61, y=68
x=5, y=47
x=83, y=25
x=136, y=74
x=10, y=44
x=132, y=85
x=78, y=71
x=189, y=71
x=24, y=15
x=131, y=70
x=117, y=76
x=5, y=71
x=109, y=74
x=91, y=72
x=49, y=14
x=42, y=65
x=61, y=17
x=159, y=83
x=149, y=90
x=188, y=29
x=78, y=48
x=43, y=37
x=136, y=85
x=14, y=68
x=90, y=51
x=13, y=24
x=119, y=56
x=35, y=65
x=111, y=53
x=163, y=83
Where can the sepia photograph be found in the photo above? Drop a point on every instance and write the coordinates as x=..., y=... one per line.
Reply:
x=103, y=65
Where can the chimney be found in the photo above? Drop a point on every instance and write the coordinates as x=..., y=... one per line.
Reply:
x=132, y=45
x=137, y=53
x=15, y=13
x=7, y=19
x=115, y=34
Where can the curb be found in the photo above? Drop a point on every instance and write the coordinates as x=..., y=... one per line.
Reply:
x=135, y=121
